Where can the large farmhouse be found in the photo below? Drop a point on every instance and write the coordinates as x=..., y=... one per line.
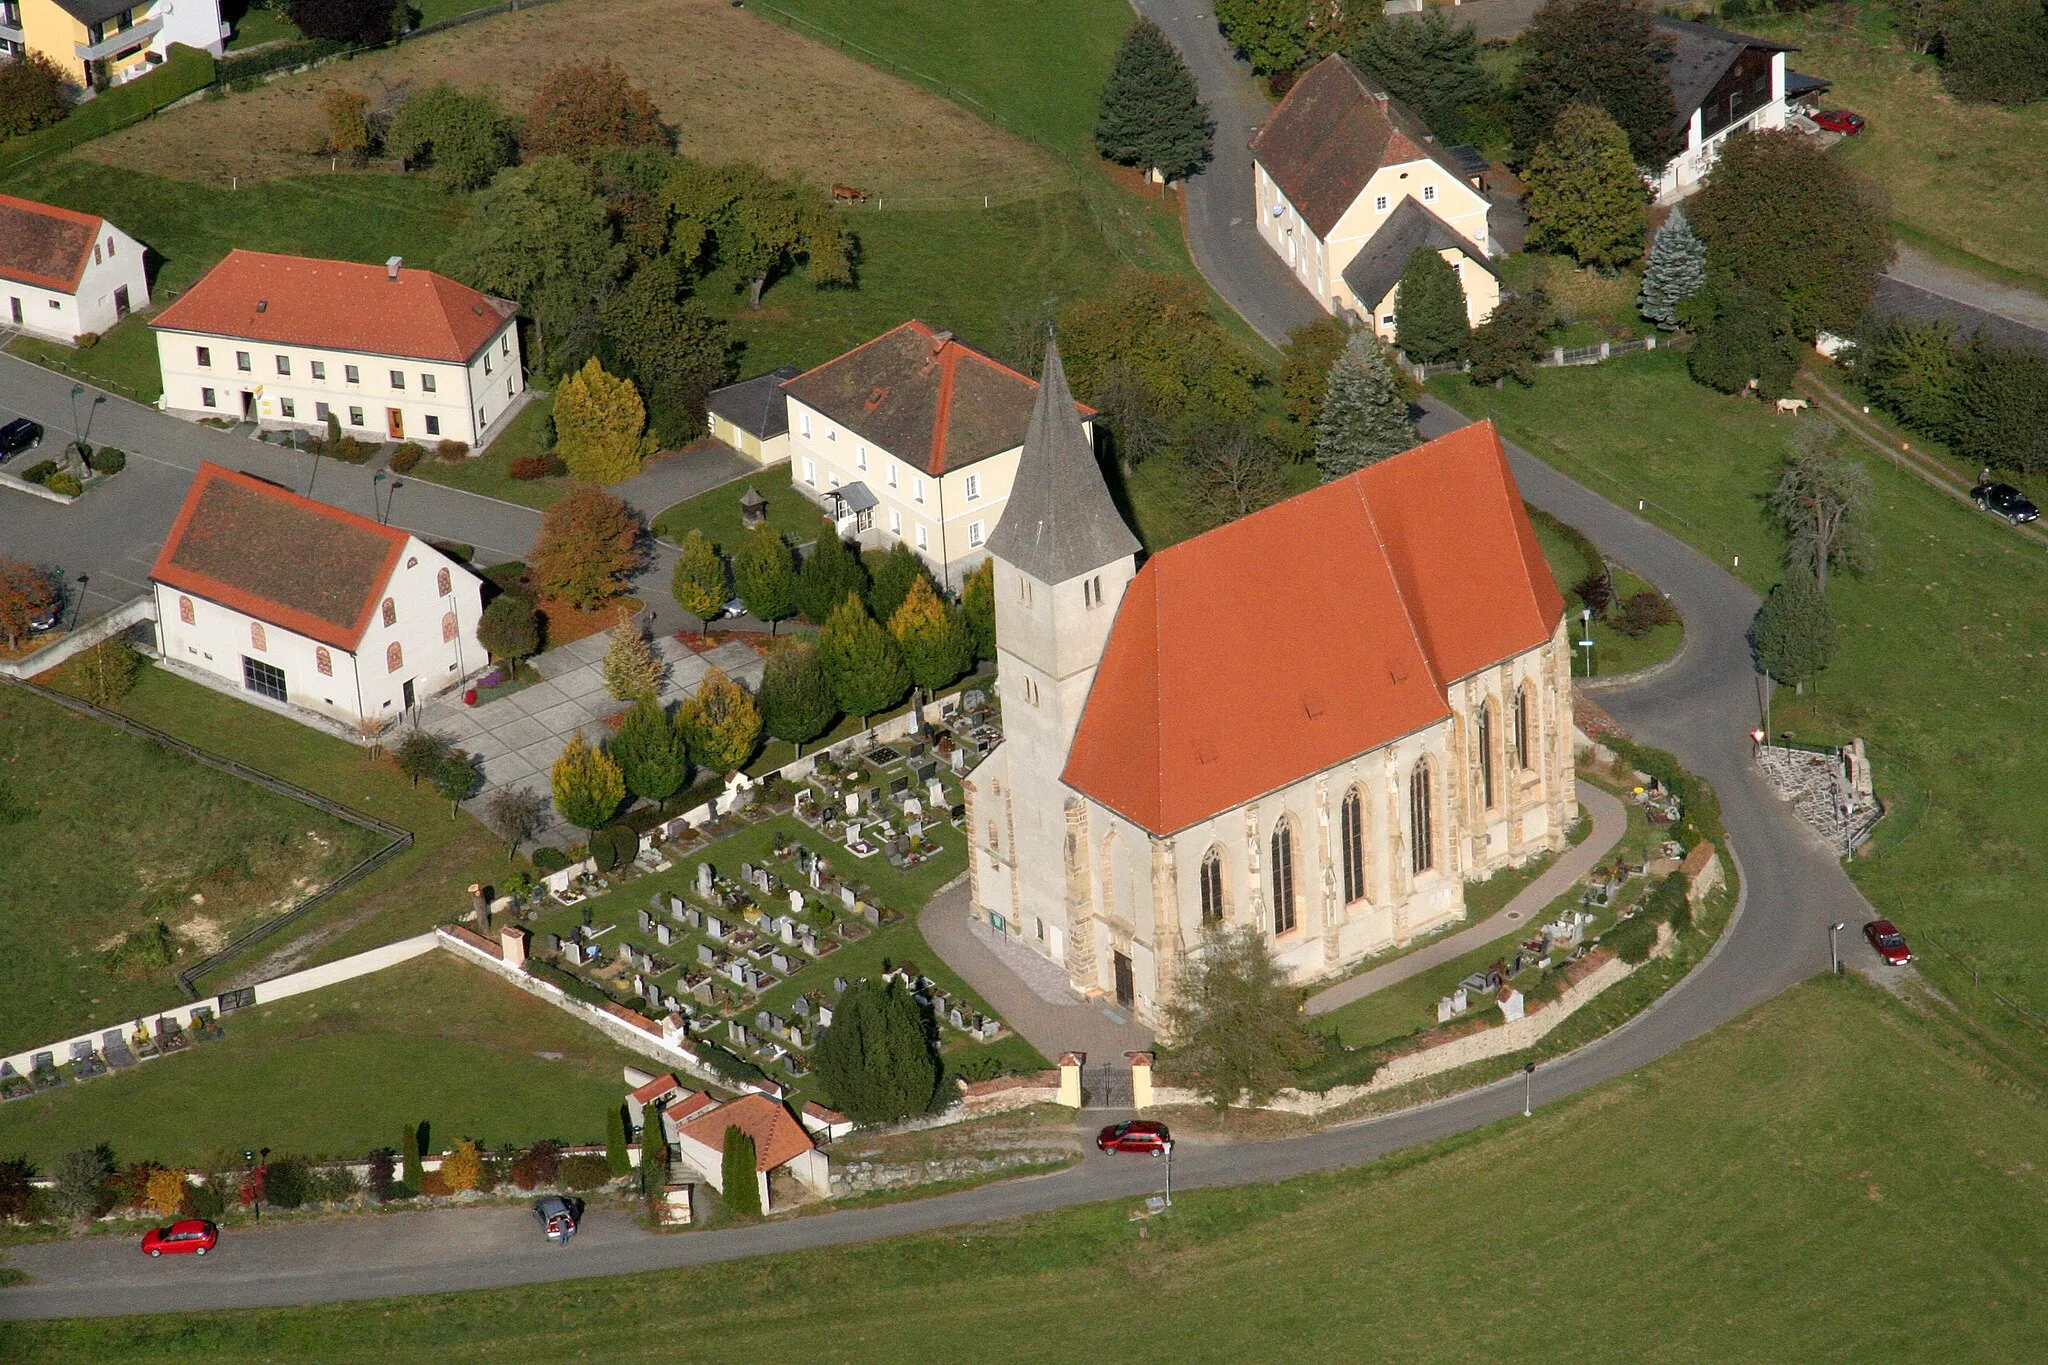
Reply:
x=303, y=604
x=1349, y=184
x=912, y=437
x=384, y=351
x=64, y=273
x=1318, y=721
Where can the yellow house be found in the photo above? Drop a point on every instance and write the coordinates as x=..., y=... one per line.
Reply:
x=97, y=43
x=1349, y=183
x=752, y=416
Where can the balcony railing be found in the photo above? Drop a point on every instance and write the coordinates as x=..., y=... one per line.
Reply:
x=134, y=36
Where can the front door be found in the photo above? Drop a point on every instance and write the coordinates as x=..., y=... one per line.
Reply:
x=408, y=694
x=248, y=405
x=121, y=302
x=394, y=421
x=1126, y=993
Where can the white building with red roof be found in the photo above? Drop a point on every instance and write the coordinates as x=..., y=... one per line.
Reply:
x=388, y=352
x=305, y=605
x=1318, y=722
x=64, y=274
x=780, y=1143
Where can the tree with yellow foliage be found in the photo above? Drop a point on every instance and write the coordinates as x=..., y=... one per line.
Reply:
x=600, y=425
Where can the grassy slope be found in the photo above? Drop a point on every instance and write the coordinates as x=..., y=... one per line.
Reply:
x=1733, y=1201
x=126, y=833
x=336, y=1072
x=1613, y=652
x=1942, y=643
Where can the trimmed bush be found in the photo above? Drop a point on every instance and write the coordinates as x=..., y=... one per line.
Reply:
x=548, y=858
x=451, y=451
x=39, y=471
x=613, y=847
x=64, y=483
x=583, y=1173
x=434, y=1185
x=1632, y=939
x=287, y=1181
x=530, y=467
x=406, y=457
x=108, y=460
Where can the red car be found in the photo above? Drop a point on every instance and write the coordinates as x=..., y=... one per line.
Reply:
x=1890, y=944
x=194, y=1235
x=1840, y=121
x=1139, y=1135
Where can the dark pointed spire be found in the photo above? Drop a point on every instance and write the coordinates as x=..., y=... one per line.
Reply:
x=1060, y=522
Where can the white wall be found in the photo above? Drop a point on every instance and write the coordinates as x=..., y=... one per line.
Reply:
x=60, y=316
x=195, y=23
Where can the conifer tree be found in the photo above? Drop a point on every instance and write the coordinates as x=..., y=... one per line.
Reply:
x=1364, y=418
x=1429, y=310
x=722, y=723
x=876, y=1060
x=978, y=602
x=933, y=637
x=586, y=783
x=1675, y=271
x=653, y=758
x=409, y=1144
x=899, y=569
x=1150, y=115
x=1795, y=633
x=1430, y=63
x=631, y=669
x=862, y=663
x=764, y=571
x=830, y=572
x=1585, y=194
x=599, y=423
x=738, y=1169
x=796, y=701
x=699, y=586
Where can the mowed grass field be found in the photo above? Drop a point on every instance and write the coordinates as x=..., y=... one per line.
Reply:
x=1943, y=665
x=1967, y=177
x=122, y=834
x=1826, y=1178
x=336, y=1072
x=735, y=86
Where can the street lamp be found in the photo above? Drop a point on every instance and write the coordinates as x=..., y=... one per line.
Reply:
x=1834, y=953
x=376, y=489
x=1169, y=1173
x=76, y=391
x=1528, y=1088
x=1586, y=637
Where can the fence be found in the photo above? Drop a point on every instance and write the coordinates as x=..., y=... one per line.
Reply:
x=399, y=839
x=1554, y=357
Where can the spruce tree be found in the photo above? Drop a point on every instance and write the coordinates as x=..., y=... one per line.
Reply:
x=1676, y=270
x=699, y=586
x=409, y=1144
x=876, y=1060
x=1150, y=114
x=651, y=753
x=1430, y=63
x=861, y=660
x=1585, y=194
x=1794, y=634
x=796, y=702
x=765, y=574
x=978, y=602
x=1430, y=323
x=830, y=572
x=1364, y=418
x=739, y=1171
x=933, y=637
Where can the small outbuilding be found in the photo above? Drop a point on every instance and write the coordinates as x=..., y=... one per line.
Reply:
x=752, y=416
x=780, y=1143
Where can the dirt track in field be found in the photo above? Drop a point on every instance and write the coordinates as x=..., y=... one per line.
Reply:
x=736, y=87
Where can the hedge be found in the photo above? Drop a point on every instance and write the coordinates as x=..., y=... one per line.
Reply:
x=185, y=71
x=1632, y=939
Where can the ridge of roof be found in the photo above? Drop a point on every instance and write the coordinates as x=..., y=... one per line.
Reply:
x=1060, y=521
x=1410, y=227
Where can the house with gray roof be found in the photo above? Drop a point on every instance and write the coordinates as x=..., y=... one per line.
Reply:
x=1722, y=83
x=752, y=416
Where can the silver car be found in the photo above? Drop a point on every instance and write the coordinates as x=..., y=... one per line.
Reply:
x=557, y=1216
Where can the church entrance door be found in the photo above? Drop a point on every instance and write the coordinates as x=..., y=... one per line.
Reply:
x=1126, y=992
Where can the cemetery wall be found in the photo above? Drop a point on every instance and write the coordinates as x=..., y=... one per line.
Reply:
x=347, y=969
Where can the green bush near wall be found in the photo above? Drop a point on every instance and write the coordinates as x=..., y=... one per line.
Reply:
x=184, y=71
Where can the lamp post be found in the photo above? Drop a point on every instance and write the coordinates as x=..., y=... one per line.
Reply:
x=376, y=492
x=76, y=391
x=1834, y=953
x=1528, y=1088
x=1169, y=1174
x=1586, y=636
x=78, y=600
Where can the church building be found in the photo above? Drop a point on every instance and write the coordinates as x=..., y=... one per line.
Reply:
x=1320, y=720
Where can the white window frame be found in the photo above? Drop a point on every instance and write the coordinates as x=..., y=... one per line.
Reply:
x=974, y=488
x=917, y=491
x=811, y=472
x=974, y=535
x=896, y=523
x=860, y=458
x=1379, y=203
x=892, y=474
x=803, y=423
x=924, y=539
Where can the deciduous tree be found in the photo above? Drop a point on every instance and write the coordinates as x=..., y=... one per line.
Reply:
x=1510, y=342
x=1602, y=52
x=1430, y=63
x=540, y=234
x=82, y=1191
x=631, y=669
x=764, y=572
x=699, y=586
x=1305, y=363
x=1795, y=633
x=1675, y=271
x=455, y=779
x=796, y=701
x=1364, y=417
x=27, y=593
x=721, y=722
x=652, y=752
x=1150, y=114
x=1823, y=500
x=1234, y=1023
x=509, y=629
x=588, y=786
x=516, y=814
x=1430, y=322
x=1228, y=470
x=877, y=1060
x=2002, y=418
x=1159, y=328
x=1585, y=194
x=590, y=546
x=1913, y=368
x=419, y=752
x=675, y=352
x=600, y=424
x=978, y=602
x=830, y=572
x=1746, y=335
x=932, y=636
x=31, y=94
x=759, y=226
x=585, y=106
x=347, y=116
x=363, y=22
x=462, y=136
x=861, y=661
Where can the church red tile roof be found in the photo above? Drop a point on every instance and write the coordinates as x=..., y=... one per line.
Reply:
x=1284, y=643
x=266, y=552
x=778, y=1137
x=338, y=305
x=44, y=245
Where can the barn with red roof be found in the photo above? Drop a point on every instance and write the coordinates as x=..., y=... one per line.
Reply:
x=1319, y=721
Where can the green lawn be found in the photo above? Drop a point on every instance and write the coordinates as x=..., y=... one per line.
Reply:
x=1613, y=653
x=124, y=834
x=1825, y=1178
x=335, y=1072
x=424, y=886
x=123, y=361
x=254, y=26
x=716, y=514
x=491, y=472
x=1943, y=645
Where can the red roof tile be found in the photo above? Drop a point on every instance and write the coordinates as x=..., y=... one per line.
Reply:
x=44, y=245
x=1285, y=643
x=266, y=552
x=654, y=1089
x=338, y=305
x=778, y=1137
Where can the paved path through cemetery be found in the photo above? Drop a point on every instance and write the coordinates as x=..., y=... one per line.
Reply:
x=1610, y=822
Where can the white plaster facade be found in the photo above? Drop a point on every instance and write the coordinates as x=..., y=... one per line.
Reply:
x=1684, y=172
x=112, y=285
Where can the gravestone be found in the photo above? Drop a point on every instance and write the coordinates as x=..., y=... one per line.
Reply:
x=640, y=985
x=746, y=872
x=838, y=986
x=574, y=951
x=958, y=758
x=796, y=903
x=801, y=1007
x=928, y=772
x=808, y=941
x=676, y=908
x=825, y=1015
x=973, y=699
x=1443, y=1010
x=912, y=807
x=704, y=879
x=794, y=1034
x=554, y=943
x=706, y=956
x=764, y=1021
x=936, y=792
x=1459, y=1002
x=846, y=896
x=645, y=921
x=915, y=829
x=780, y=964
x=657, y=902
x=852, y=804
x=693, y=917
x=662, y=935
x=957, y=1017
x=815, y=876
x=714, y=926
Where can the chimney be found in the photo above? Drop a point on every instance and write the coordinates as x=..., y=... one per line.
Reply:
x=391, y=268
x=939, y=340
x=263, y=305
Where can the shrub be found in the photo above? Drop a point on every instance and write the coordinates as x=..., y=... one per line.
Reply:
x=108, y=460
x=1642, y=613
x=39, y=471
x=434, y=1185
x=1665, y=900
x=538, y=1165
x=286, y=1181
x=332, y=1185
x=1596, y=590
x=742, y=1188
x=508, y=577
x=406, y=457
x=165, y=1193
x=530, y=467
x=548, y=858
x=383, y=1169
x=451, y=451
x=1632, y=939
x=613, y=847
x=583, y=1173
x=64, y=483
x=207, y=1200
x=400, y=1190
x=464, y=1168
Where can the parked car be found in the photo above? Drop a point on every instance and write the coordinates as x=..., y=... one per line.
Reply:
x=190, y=1236
x=18, y=436
x=2005, y=500
x=1138, y=1135
x=1840, y=121
x=557, y=1217
x=1890, y=944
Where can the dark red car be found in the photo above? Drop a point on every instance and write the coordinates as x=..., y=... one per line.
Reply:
x=192, y=1235
x=1840, y=121
x=1890, y=944
x=1139, y=1135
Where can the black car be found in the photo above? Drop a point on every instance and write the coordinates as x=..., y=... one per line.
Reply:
x=2005, y=500
x=17, y=436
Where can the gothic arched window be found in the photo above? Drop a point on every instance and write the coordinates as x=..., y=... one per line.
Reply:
x=1486, y=754
x=1351, y=838
x=1522, y=726
x=1421, y=838
x=1283, y=878
x=1212, y=888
